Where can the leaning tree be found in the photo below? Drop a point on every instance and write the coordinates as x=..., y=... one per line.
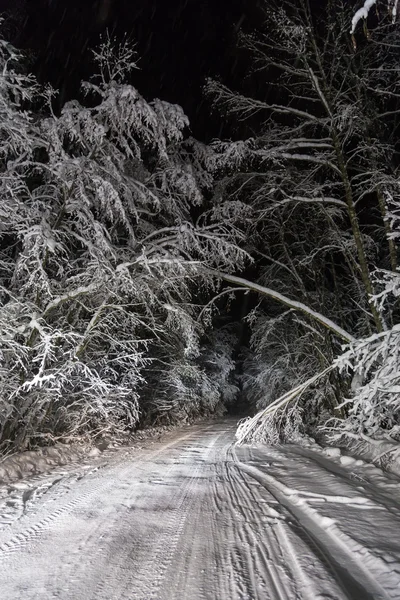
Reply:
x=319, y=175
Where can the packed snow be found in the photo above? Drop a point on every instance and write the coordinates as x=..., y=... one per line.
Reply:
x=192, y=516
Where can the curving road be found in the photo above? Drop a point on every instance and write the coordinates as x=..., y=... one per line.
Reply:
x=192, y=517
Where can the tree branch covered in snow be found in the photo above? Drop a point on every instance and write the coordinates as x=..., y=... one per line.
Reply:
x=328, y=323
x=363, y=12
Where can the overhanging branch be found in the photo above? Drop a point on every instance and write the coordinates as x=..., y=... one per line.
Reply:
x=325, y=321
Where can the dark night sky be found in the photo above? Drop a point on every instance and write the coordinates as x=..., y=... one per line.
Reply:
x=179, y=42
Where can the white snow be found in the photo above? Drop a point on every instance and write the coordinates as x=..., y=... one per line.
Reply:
x=192, y=516
x=347, y=460
x=24, y=464
x=362, y=13
x=332, y=452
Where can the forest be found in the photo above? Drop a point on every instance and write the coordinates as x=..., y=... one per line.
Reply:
x=150, y=277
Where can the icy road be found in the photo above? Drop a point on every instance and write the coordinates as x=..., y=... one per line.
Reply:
x=193, y=517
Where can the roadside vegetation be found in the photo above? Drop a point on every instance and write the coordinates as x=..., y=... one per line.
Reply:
x=122, y=237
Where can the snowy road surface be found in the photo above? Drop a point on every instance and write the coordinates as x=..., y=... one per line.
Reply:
x=192, y=517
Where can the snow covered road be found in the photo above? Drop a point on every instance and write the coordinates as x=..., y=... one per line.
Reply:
x=192, y=517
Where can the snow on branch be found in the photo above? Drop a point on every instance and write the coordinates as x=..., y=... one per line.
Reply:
x=325, y=321
x=374, y=363
x=257, y=429
x=363, y=12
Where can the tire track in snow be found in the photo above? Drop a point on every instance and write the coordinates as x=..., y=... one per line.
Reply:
x=288, y=542
x=30, y=534
x=155, y=556
x=335, y=543
x=250, y=547
x=190, y=521
x=369, y=490
x=265, y=533
x=121, y=572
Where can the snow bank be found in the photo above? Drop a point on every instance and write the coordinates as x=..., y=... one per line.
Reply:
x=25, y=464
x=382, y=453
x=19, y=466
x=332, y=452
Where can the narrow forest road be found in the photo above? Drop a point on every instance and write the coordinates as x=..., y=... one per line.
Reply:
x=193, y=517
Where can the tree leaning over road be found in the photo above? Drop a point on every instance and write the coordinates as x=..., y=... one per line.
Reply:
x=319, y=174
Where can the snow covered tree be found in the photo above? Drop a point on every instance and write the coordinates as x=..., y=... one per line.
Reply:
x=373, y=405
x=99, y=251
x=319, y=158
x=182, y=387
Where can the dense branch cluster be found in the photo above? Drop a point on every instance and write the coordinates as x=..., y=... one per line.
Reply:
x=98, y=255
